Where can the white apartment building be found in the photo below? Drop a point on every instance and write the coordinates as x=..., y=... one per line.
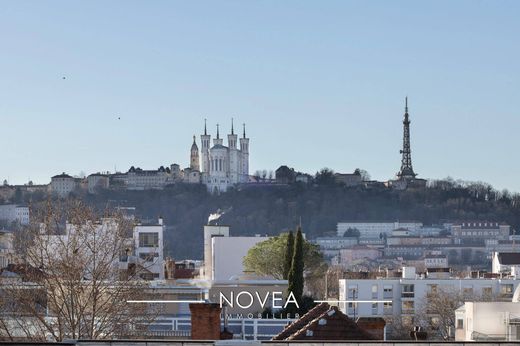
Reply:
x=373, y=230
x=486, y=321
x=223, y=254
x=331, y=246
x=14, y=213
x=149, y=249
x=228, y=254
x=62, y=184
x=211, y=231
x=479, y=231
x=407, y=294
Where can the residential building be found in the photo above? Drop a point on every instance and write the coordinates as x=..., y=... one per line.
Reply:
x=228, y=254
x=331, y=246
x=374, y=230
x=404, y=296
x=285, y=175
x=349, y=179
x=149, y=249
x=477, y=232
x=357, y=253
x=140, y=179
x=211, y=231
x=488, y=321
x=63, y=184
x=6, y=248
x=506, y=262
x=328, y=323
x=97, y=181
x=10, y=213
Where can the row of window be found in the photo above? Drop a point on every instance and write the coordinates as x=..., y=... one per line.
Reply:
x=481, y=233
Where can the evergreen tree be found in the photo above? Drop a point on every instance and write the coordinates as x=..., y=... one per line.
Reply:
x=295, y=278
x=289, y=253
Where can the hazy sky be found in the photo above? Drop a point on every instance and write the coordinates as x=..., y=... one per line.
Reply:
x=319, y=84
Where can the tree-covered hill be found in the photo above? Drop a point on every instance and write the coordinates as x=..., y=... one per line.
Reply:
x=271, y=209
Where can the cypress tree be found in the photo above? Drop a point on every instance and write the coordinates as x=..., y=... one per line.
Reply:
x=289, y=253
x=295, y=278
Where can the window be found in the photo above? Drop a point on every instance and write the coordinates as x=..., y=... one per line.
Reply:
x=148, y=239
x=432, y=289
x=374, y=308
x=352, y=292
x=148, y=256
x=408, y=291
x=460, y=323
x=407, y=306
x=387, y=292
x=374, y=291
x=467, y=290
x=487, y=291
x=388, y=308
x=506, y=289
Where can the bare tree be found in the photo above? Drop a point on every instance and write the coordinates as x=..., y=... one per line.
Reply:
x=437, y=313
x=72, y=283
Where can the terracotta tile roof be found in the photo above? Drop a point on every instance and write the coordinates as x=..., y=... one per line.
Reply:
x=302, y=321
x=324, y=323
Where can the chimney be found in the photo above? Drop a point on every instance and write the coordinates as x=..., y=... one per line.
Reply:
x=205, y=321
x=169, y=268
x=160, y=220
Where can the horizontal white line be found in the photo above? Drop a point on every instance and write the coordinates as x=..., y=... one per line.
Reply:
x=166, y=301
x=353, y=301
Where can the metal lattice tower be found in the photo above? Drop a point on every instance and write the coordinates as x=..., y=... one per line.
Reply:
x=406, y=171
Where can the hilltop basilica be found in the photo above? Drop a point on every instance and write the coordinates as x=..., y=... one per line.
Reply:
x=219, y=166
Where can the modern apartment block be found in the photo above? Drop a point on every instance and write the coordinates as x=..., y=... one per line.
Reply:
x=149, y=249
x=404, y=296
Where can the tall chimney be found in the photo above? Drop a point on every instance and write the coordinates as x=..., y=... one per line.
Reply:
x=205, y=321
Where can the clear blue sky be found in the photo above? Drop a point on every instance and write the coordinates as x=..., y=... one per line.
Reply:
x=319, y=84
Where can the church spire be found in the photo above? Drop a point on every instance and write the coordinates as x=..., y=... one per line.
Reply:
x=217, y=133
x=232, y=129
x=205, y=129
x=244, y=126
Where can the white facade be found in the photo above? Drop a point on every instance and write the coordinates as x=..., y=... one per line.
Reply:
x=331, y=246
x=479, y=231
x=373, y=230
x=14, y=213
x=211, y=231
x=139, y=179
x=62, y=184
x=228, y=254
x=149, y=248
x=407, y=294
x=484, y=321
x=505, y=262
x=223, y=167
